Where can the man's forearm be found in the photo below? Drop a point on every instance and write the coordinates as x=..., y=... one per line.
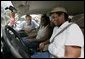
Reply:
x=46, y=42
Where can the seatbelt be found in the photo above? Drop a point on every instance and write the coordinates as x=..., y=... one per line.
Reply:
x=61, y=31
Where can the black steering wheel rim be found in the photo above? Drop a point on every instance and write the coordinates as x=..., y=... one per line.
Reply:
x=20, y=52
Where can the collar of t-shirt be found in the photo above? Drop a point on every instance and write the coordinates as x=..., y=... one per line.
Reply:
x=28, y=23
x=64, y=25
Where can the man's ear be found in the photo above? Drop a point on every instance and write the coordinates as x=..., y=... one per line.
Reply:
x=62, y=15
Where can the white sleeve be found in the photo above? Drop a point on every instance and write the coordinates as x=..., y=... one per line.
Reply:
x=20, y=26
x=75, y=36
x=35, y=24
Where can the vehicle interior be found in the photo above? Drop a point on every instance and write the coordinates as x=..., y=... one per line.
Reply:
x=11, y=43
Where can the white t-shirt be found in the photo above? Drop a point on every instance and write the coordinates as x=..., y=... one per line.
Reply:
x=24, y=24
x=71, y=36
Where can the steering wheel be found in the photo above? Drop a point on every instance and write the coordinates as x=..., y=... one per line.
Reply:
x=14, y=42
